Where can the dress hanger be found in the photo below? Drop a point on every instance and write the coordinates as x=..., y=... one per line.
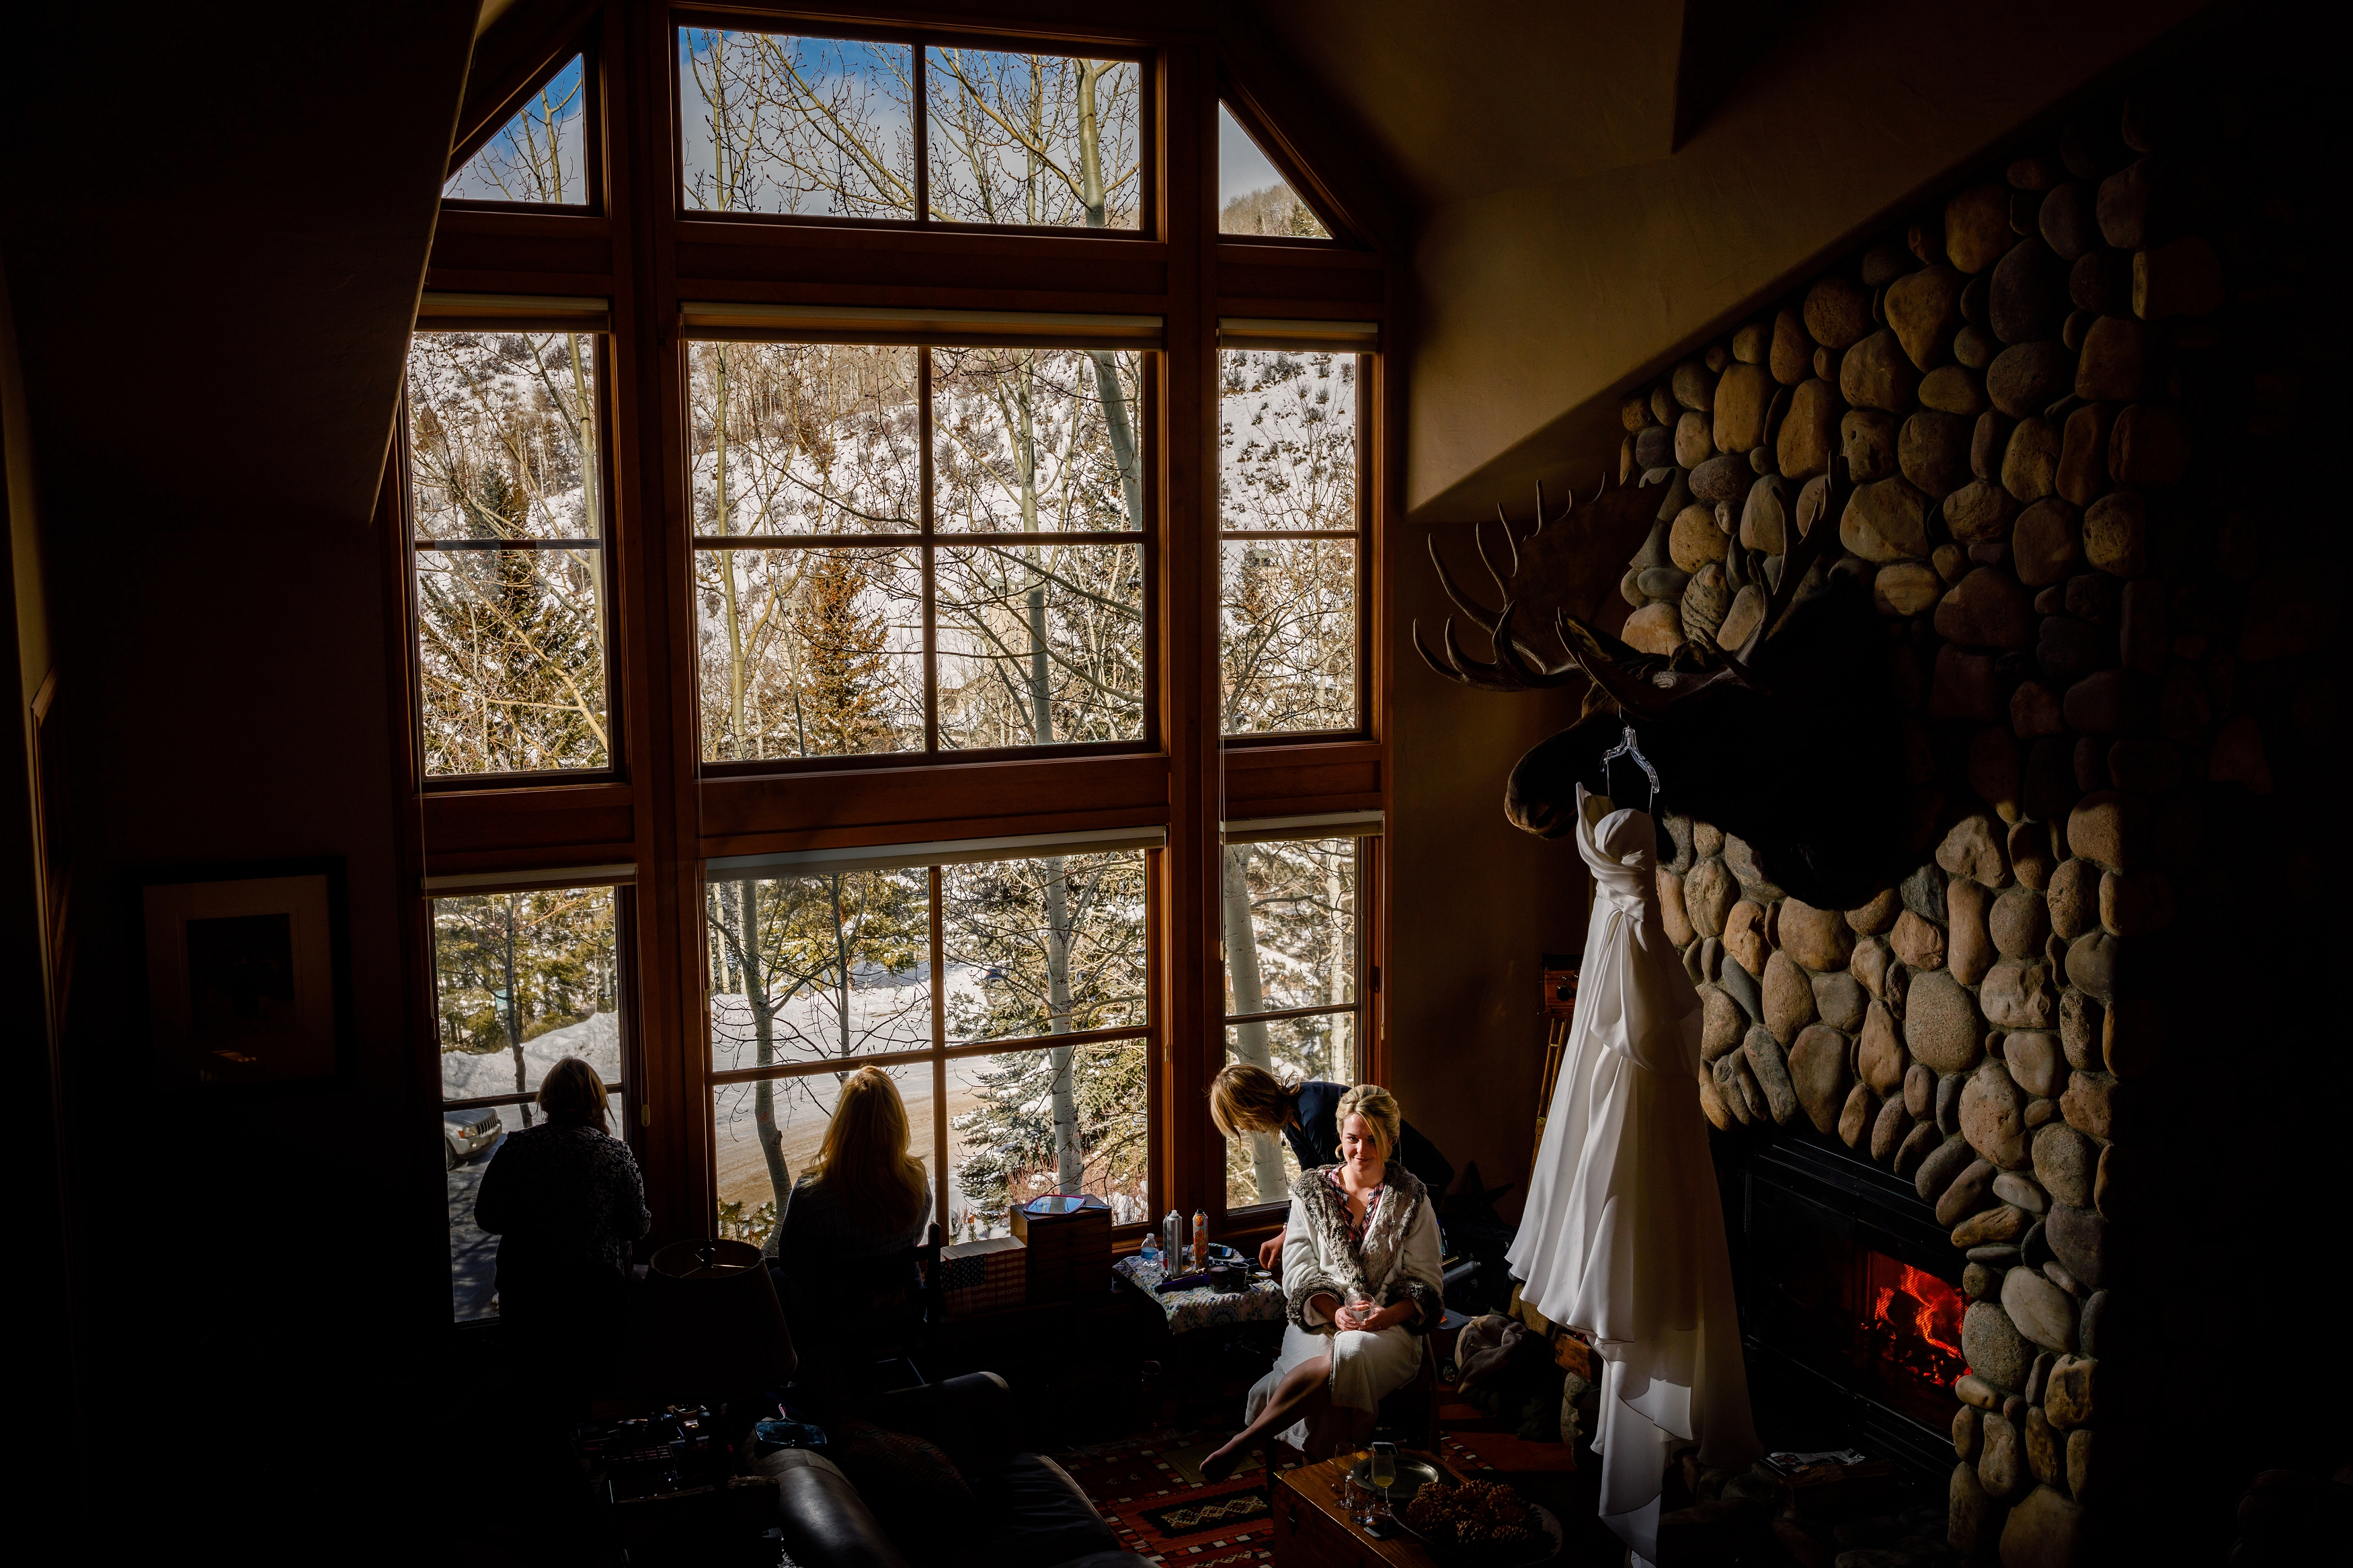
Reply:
x=1630, y=748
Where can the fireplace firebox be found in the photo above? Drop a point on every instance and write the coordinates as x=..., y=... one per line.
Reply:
x=1849, y=1301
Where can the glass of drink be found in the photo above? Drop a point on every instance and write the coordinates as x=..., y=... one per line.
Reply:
x=1384, y=1475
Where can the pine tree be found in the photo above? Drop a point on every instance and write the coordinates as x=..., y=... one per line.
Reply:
x=841, y=707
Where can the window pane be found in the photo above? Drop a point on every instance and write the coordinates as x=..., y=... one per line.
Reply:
x=470, y=1139
x=808, y=653
x=775, y=123
x=1286, y=440
x=502, y=435
x=511, y=642
x=1040, y=645
x=537, y=155
x=807, y=968
x=1039, y=139
x=1287, y=628
x=767, y=1134
x=803, y=439
x=1036, y=440
x=512, y=665
x=1061, y=1119
x=1291, y=924
x=1054, y=946
x=1252, y=195
x=522, y=980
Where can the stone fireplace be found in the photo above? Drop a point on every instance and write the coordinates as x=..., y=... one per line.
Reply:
x=1961, y=1122
x=1850, y=1303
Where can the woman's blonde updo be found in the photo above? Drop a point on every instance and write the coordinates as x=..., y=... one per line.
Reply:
x=1379, y=1109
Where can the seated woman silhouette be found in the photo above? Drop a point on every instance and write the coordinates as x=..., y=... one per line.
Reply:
x=1360, y=1274
x=848, y=1220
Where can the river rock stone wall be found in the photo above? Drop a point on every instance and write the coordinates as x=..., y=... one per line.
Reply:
x=2077, y=399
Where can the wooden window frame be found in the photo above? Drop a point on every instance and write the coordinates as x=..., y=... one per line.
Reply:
x=834, y=28
x=927, y=539
x=1362, y=536
x=583, y=48
x=942, y=1050
x=1363, y=1007
x=1276, y=149
x=632, y=1129
x=616, y=757
x=659, y=811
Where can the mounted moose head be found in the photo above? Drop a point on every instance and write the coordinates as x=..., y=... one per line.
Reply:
x=1789, y=740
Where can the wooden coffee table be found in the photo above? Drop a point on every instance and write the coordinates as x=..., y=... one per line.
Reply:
x=1313, y=1530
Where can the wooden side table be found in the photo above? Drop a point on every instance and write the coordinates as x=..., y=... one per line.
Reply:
x=1313, y=1530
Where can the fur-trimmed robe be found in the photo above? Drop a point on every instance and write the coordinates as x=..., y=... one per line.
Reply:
x=1400, y=1262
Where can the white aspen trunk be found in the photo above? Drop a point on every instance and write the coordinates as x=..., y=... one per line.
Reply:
x=1250, y=1043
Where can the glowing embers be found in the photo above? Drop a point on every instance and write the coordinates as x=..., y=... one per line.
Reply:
x=1913, y=1322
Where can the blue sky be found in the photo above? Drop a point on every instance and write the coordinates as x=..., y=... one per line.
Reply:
x=1242, y=167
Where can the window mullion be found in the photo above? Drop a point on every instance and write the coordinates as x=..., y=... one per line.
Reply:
x=920, y=113
x=924, y=516
x=939, y=1061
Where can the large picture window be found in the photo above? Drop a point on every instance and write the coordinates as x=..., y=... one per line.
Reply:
x=1291, y=542
x=783, y=125
x=506, y=528
x=1006, y=998
x=914, y=511
x=521, y=980
x=917, y=550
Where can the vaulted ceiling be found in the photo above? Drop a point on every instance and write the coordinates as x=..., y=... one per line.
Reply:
x=1590, y=191
x=1586, y=191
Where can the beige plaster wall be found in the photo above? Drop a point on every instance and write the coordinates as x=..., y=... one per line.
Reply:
x=1474, y=902
x=1538, y=305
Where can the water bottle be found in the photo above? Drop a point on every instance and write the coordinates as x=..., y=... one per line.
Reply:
x=1200, y=1239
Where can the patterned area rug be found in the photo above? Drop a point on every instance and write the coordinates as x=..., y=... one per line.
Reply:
x=1148, y=1487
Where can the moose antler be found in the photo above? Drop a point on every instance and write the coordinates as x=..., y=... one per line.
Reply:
x=1552, y=565
x=1647, y=688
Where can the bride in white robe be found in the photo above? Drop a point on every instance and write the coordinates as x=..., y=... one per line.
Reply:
x=1623, y=1235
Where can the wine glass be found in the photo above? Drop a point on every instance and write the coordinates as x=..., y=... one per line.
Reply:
x=1384, y=1473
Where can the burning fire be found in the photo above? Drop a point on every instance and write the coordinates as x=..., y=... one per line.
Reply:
x=1918, y=1317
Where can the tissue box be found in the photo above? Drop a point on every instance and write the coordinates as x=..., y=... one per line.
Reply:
x=984, y=1275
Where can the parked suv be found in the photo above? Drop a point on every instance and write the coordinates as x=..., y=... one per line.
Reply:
x=466, y=1133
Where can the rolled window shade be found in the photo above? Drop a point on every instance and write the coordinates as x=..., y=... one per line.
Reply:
x=894, y=324
x=1321, y=825
x=940, y=852
x=1300, y=336
x=446, y=313
x=465, y=882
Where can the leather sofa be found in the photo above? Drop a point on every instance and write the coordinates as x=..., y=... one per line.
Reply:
x=1029, y=1513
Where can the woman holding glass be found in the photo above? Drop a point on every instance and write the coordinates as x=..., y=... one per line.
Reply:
x=1360, y=1272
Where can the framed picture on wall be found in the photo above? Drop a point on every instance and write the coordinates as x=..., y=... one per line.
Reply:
x=247, y=972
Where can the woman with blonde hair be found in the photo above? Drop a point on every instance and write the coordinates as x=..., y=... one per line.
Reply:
x=1245, y=1098
x=864, y=1202
x=1361, y=1279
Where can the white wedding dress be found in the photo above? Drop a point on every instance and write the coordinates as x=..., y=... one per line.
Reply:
x=1623, y=1235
